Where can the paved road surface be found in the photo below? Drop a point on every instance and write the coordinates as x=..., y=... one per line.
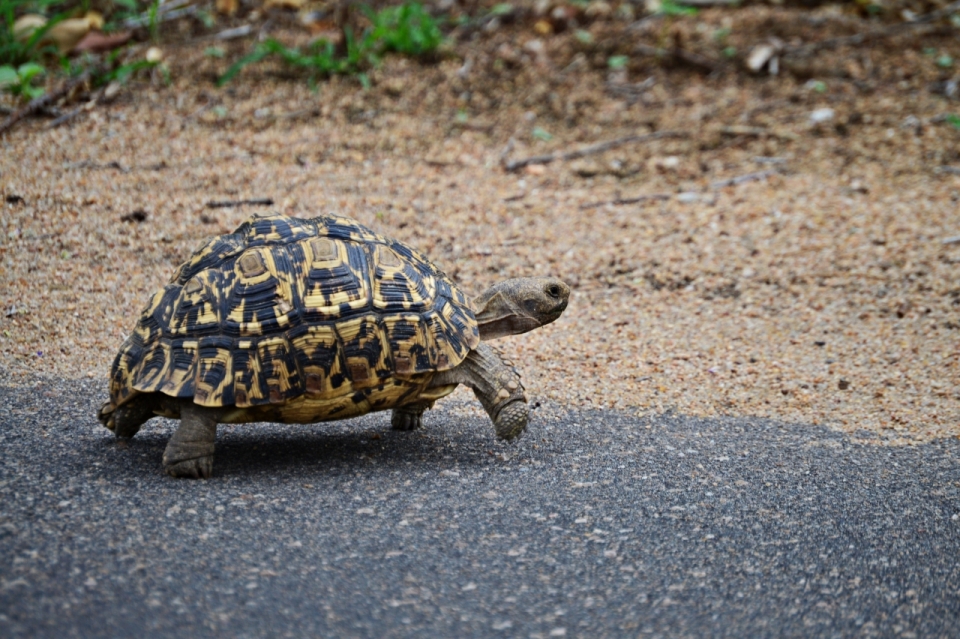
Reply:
x=596, y=525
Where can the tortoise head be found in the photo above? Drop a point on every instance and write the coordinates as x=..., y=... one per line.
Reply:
x=519, y=305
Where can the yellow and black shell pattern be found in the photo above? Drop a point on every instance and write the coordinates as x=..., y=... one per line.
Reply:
x=284, y=308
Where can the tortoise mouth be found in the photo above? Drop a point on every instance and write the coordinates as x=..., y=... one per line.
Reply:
x=555, y=312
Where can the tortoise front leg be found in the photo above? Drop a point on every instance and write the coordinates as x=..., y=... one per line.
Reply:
x=189, y=452
x=496, y=384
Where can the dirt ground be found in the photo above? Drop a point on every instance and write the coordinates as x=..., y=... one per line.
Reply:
x=821, y=290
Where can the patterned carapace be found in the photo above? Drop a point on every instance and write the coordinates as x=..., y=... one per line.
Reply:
x=284, y=309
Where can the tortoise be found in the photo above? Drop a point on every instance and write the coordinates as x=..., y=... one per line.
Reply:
x=309, y=320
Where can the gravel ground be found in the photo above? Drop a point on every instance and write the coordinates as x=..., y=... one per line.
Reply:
x=822, y=293
x=597, y=524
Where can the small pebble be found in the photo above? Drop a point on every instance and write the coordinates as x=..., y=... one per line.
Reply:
x=820, y=116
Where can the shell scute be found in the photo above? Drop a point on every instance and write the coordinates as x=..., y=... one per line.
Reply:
x=196, y=310
x=261, y=301
x=278, y=368
x=336, y=287
x=275, y=229
x=209, y=255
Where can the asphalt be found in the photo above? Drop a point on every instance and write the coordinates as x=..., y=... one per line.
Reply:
x=596, y=524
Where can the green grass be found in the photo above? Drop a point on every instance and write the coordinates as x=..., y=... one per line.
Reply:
x=13, y=52
x=407, y=29
x=672, y=8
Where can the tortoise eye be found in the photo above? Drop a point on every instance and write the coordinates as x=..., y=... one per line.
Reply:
x=553, y=291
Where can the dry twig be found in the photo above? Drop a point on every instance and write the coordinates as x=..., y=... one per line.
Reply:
x=236, y=32
x=740, y=179
x=757, y=131
x=66, y=117
x=627, y=200
x=632, y=92
x=513, y=165
x=224, y=204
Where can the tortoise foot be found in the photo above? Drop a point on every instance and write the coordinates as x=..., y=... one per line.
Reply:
x=512, y=420
x=406, y=420
x=199, y=468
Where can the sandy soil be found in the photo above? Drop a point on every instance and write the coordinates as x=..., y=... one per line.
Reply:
x=822, y=292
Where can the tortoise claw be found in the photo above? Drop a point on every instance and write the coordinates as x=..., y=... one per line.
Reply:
x=199, y=468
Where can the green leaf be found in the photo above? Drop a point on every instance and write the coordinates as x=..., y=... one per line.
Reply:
x=206, y=18
x=214, y=52
x=953, y=120
x=501, y=9
x=672, y=8
x=945, y=61
x=583, y=36
x=8, y=76
x=541, y=134
x=29, y=71
x=618, y=61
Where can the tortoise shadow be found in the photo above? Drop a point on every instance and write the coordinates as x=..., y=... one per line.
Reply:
x=283, y=449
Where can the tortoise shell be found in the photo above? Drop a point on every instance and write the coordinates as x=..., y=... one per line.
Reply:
x=285, y=309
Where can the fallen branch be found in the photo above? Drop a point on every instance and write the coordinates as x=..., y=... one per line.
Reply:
x=44, y=102
x=627, y=200
x=951, y=240
x=860, y=38
x=231, y=203
x=740, y=179
x=513, y=165
x=951, y=170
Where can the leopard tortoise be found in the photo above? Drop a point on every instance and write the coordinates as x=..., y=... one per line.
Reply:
x=302, y=321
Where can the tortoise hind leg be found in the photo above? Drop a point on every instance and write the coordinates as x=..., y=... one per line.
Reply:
x=126, y=420
x=189, y=452
x=409, y=417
